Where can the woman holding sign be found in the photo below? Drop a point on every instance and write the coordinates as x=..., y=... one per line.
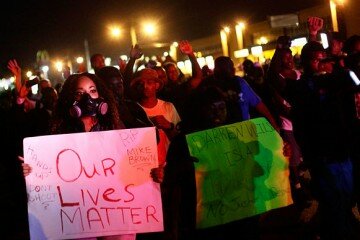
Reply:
x=86, y=105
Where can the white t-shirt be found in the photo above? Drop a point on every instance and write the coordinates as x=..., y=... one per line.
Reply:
x=168, y=110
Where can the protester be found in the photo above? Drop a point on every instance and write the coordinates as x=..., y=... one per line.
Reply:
x=86, y=105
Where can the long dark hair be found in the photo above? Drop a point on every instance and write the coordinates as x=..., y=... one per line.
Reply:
x=275, y=67
x=64, y=123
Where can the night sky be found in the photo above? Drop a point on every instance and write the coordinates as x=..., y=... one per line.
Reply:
x=61, y=26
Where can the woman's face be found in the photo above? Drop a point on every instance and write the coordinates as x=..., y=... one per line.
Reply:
x=86, y=85
x=162, y=75
x=172, y=73
x=315, y=62
x=287, y=61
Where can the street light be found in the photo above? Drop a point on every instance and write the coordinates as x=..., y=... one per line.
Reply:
x=115, y=31
x=224, y=40
x=239, y=34
x=173, y=50
x=59, y=66
x=148, y=28
x=45, y=70
x=334, y=20
x=29, y=74
x=133, y=36
x=79, y=60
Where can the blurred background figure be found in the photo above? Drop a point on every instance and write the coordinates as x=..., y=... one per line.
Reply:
x=97, y=61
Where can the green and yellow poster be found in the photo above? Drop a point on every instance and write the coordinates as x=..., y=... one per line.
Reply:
x=241, y=171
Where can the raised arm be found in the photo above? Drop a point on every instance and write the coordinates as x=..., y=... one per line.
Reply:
x=315, y=24
x=196, y=77
x=135, y=53
x=21, y=88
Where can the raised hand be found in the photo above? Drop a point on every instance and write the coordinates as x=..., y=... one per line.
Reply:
x=315, y=24
x=16, y=71
x=21, y=88
x=136, y=52
x=185, y=47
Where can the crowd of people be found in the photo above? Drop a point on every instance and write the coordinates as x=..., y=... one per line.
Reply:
x=314, y=107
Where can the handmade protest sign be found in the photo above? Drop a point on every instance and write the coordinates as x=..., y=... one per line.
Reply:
x=93, y=184
x=241, y=171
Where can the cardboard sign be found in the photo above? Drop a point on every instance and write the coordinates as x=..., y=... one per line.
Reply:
x=93, y=184
x=241, y=171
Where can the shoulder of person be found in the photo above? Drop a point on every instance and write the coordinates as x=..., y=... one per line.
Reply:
x=242, y=82
x=239, y=79
x=167, y=104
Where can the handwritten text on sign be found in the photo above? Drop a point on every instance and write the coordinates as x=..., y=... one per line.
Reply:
x=241, y=171
x=92, y=184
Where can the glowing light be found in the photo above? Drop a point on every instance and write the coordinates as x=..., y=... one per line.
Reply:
x=256, y=51
x=241, y=25
x=354, y=77
x=239, y=34
x=115, y=31
x=58, y=66
x=224, y=44
x=181, y=65
x=210, y=61
x=339, y=2
x=298, y=42
x=29, y=74
x=188, y=66
x=201, y=61
x=149, y=28
x=173, y=50
x=241, y=53
x=124, y=57
x=45, y=68
x=262, y=40
x=79, y=60
x=107, y=61
x=159, y=45
x=334, y=16
x=141, y=67
x=324, y=40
